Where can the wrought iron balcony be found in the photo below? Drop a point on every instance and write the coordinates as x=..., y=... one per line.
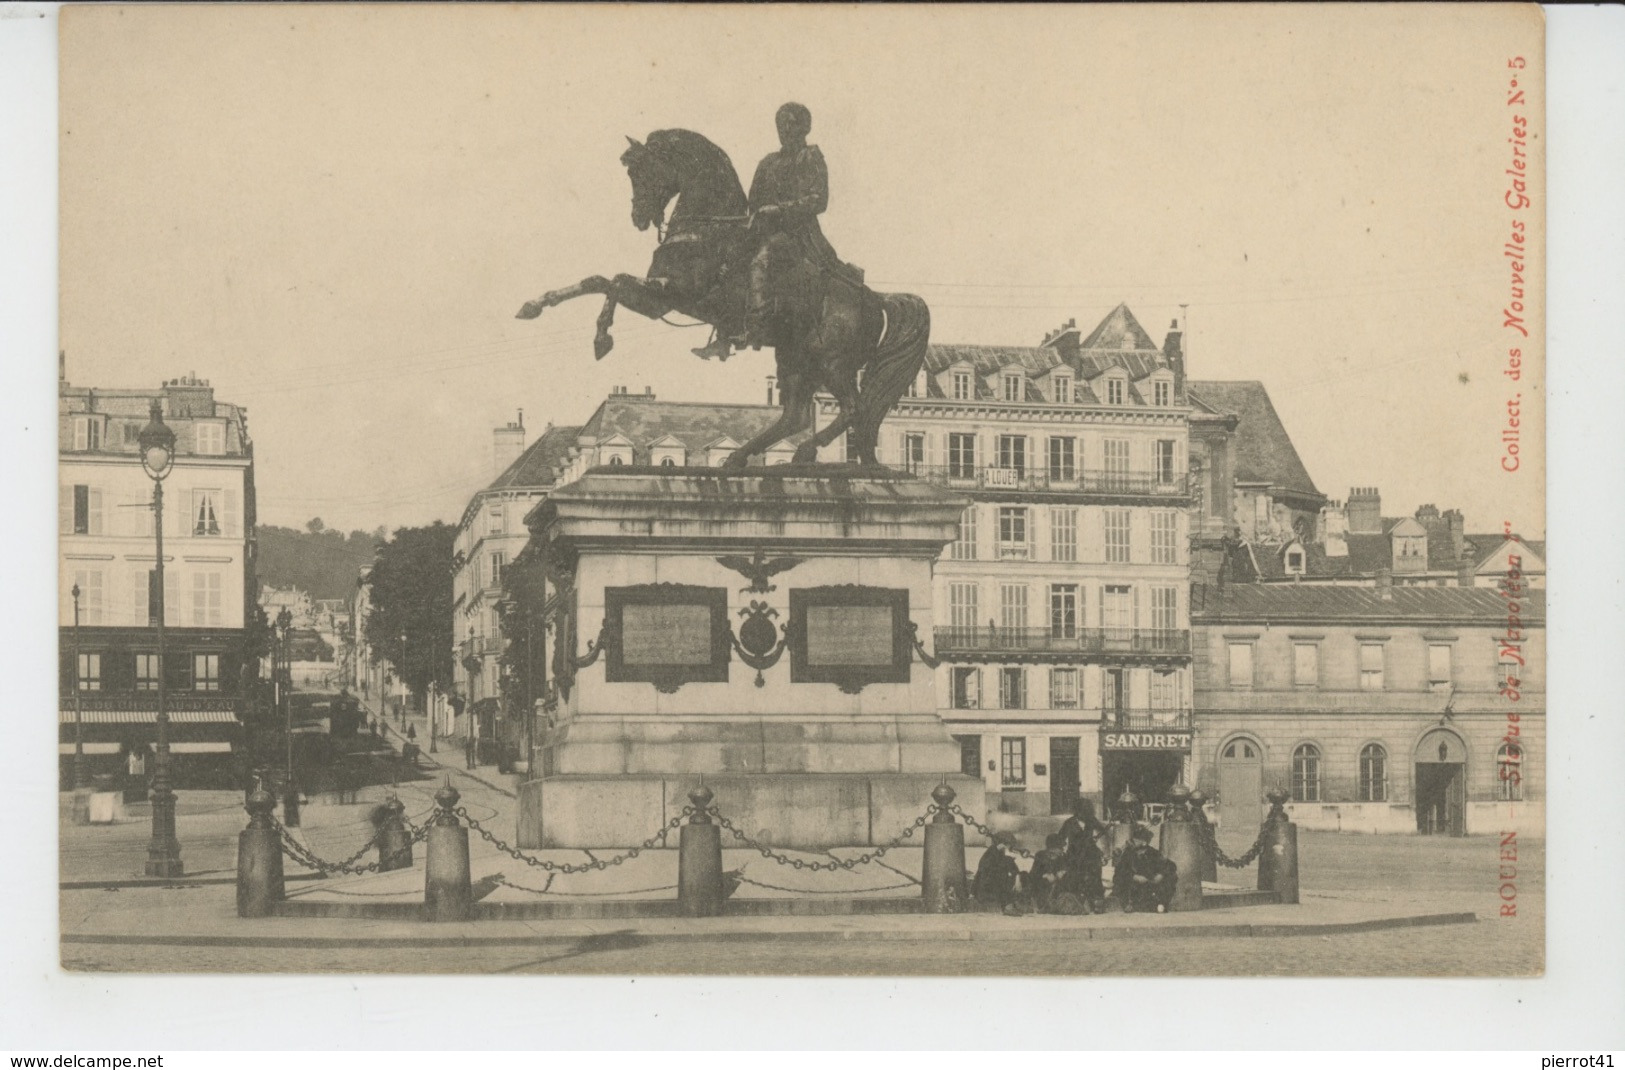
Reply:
x=991, y=639
x=1145, y=719
x=1054, y=480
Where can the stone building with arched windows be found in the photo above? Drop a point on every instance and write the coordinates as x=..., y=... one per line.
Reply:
x=1379, y=709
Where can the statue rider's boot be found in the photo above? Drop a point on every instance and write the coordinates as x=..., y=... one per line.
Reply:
x=719, y=347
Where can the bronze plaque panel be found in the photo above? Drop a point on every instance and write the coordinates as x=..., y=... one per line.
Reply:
x=666, y=634
x=850, y=635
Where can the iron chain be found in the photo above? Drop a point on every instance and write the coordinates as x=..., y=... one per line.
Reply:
x=547, y=889
x=834, y=863
x=956, y=810
x=310, y=860
x=1211, y=841
x=572, y=867
x=812, y=891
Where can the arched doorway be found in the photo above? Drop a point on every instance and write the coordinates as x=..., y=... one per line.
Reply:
x=1441, y=784
x=1241, y=785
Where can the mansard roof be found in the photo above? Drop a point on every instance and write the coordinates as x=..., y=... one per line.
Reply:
x=538, y=465
x=1264, y=450
x=1315, y=603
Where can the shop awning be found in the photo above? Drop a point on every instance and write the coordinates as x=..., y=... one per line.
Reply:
x=149, y=716
x=183, y=747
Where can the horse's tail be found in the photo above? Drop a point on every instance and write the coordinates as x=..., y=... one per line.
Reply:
x=898, y=358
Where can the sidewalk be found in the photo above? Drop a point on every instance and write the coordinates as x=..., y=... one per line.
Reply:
x=206, y=916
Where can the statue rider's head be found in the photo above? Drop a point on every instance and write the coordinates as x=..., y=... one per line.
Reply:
x=795, y=123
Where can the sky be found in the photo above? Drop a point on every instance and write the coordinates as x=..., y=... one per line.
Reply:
x=333, y=213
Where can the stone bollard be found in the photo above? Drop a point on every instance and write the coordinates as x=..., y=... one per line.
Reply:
x=259, y=859
x=1182, y=845
x=1278, y=858
x=1210, y=860
x=699, y=860
x=942, y=872
x=447, y=891
x=394, y=842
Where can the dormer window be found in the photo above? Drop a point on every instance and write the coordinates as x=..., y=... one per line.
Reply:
x=1162, y=392
x=210, y=438
x=1063, y=390
x=1114, y=391
x=87, y=433
x=1013, y=388
x=1294, y=560
x=916, y=389
x=962, y=386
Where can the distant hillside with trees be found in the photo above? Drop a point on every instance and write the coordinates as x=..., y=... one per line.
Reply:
x=320, y=561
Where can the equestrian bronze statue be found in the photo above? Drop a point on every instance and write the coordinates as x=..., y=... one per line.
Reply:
x=760, y=272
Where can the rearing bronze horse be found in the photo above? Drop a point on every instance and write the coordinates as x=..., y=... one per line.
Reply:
x=832, y=332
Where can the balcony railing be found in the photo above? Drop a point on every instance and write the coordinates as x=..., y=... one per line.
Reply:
x=1043, y=478
x=1146, y=719
x=1062, y=640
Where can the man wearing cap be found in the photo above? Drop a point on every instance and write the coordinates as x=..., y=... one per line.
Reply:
x=1081, y=833
x=1144, y=879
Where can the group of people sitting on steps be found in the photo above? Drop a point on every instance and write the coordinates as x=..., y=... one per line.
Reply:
x=1066, y=877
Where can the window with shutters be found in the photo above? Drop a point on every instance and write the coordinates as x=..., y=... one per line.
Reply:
x=1063, y=534
x=1013, y=688
x=206, y=512
x=81, y=512
x=1063, y=611
x=1012, y=531
x=1013, y=607
x=962, y=455
x=495, y=520
x=1164, y=451
x=1439, y=677
x=1115, y=458
x=963, y=613
x=1063, y=689
x=1165, y=609
x=206, y=595
x=497, y=561
x=1371, y=666
x=205, y=672
x=1063, y=467
x=1164, y=690
x=90, y=672
x=1012, y=453
x=210, y=438
x=1117, y=536
x=87, y=432
x=964, y=548
x=90, y=595
x=967, y=687
x=1164, y=537
x=970, y=755
x=913, y=452
x=1117, y=608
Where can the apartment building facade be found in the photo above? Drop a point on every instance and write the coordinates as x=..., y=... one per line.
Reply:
x=110, y=666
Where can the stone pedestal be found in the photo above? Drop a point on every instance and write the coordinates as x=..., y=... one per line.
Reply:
x=758, y=629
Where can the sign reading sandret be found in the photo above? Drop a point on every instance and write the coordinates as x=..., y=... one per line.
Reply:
x=850, y=635
x=666, y=634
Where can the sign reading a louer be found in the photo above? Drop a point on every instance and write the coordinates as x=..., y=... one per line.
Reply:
x=1145, y=739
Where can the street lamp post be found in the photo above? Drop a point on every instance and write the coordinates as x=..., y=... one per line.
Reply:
x=284, y=681
x=406, y=690
x=157, y=441
x=81, y=782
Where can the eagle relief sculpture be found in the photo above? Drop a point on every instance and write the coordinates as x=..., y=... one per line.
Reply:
x=759, y=270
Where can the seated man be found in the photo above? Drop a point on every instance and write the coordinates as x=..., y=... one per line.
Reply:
x=1047, y=879
x=1144, y=880
x=997, y=876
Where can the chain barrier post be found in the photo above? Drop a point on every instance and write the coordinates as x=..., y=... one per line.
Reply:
x=259, y=858
x=447, y=886
x=394, y=842
x=1182, y=845
x=1210, y=860
x=699, y=860
x=942, y=872
x=1278, y=859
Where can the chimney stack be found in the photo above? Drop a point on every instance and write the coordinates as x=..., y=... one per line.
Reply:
x=1364, y=511
x=1385, y=584
x=1458, y=537
x=1173, y=349
x=507, y=443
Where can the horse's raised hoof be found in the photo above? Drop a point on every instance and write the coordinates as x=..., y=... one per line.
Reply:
x=601, y=345
x=530, y=310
